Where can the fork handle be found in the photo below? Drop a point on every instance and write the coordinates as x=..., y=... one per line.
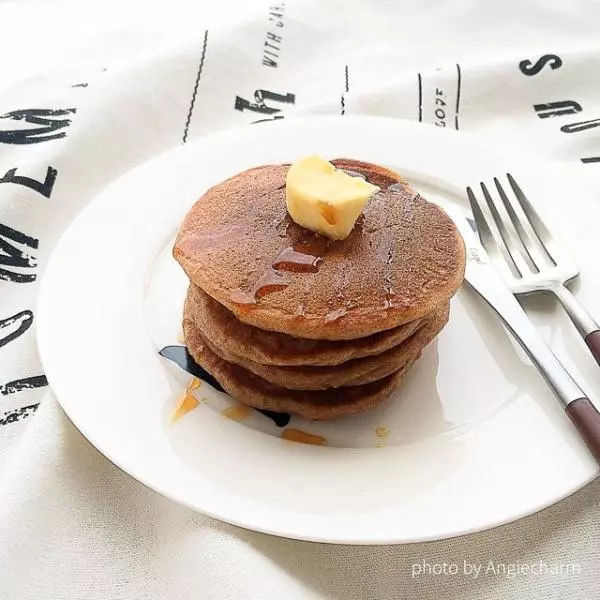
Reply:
x=593, y=342
x=586, y=419
x=587, y=327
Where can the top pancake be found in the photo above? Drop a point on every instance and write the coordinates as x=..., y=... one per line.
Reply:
x=403, y=259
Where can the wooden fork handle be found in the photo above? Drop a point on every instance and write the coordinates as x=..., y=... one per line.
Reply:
x=588, y=328
x=593, y=342
x=586, y=418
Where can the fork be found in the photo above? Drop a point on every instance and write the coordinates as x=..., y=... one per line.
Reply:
x=519, y=239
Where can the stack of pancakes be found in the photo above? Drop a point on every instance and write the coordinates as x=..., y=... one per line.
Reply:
x=289, y=321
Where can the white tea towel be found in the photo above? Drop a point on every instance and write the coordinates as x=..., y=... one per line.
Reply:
x=85, y=96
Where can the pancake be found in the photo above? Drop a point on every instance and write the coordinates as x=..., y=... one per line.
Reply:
x=258, y=393
x=403, y=259
x=355, y=372
x=223, y=330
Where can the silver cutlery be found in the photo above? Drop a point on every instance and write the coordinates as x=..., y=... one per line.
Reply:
x=514, y=233
x=484, y=278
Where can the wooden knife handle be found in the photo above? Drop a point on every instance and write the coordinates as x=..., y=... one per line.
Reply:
x=593, y=342
x=586, y=418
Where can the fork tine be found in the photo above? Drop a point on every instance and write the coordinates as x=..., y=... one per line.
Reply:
x=494, y=247
x=507, y=237
x=485, y=234
x=540, y=230
x=525, y=242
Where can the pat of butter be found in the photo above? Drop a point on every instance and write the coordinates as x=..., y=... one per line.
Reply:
x=323, y=199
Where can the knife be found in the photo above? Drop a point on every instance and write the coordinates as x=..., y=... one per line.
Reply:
x=483, y=277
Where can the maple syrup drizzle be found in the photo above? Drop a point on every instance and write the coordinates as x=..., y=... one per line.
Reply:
x=314, y=245
x=194, y=384
x=211, y=238
x=328, y=213
x=242, y=298
x=302, y=437
x=188, y=401
x=382, y=433
x=270, y=282
x=237, y=412
x=292, y=260
x=304, y=256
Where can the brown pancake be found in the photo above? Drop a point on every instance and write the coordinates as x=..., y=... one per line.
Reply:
x=403, y=258
x=258, y=393
x=355, y=372
x=223, y=330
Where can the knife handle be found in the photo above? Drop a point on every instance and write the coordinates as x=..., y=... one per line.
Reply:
x=586, y=419
x=580, y=410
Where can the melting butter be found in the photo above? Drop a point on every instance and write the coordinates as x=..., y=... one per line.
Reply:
x=324, y=199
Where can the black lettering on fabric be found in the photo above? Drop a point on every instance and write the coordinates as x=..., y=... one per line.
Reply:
x=15, y=326
x=530, y=69
x=581, y=126
x=14, y=257
x=273, y=118
x=49, y=129
x=28, y=383
x=41, y=187
x=19, y=414
x=260, y=104
x=557, y=109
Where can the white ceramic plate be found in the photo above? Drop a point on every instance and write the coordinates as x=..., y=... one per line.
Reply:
x=472, y=439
